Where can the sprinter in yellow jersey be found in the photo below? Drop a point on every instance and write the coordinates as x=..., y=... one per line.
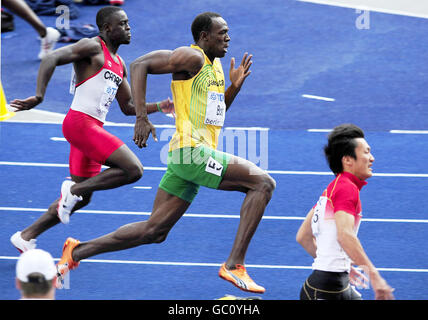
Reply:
x=201, y=102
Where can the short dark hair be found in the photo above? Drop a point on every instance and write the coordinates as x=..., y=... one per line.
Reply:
x=201, y=23
x=104, y=14
x=341, y=142
x=37, y=285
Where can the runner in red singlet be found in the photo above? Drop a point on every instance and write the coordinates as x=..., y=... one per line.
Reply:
x=100, y=77
x=329, y=232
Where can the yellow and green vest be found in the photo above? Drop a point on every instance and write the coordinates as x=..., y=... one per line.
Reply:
x=199, y=106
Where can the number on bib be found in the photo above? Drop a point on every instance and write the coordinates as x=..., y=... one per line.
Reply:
x=214, y=167
x=216, y=109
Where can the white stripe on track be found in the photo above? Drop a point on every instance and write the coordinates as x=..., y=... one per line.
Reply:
x=390, y=131
x=409, y=131
x=202, y=264
x=316, y=173
x=60, y=165
x=205, y=215
x=119, y=124
x=309, y=96
x=417, y=9
x=320, y=130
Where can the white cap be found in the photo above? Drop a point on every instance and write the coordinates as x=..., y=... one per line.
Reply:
x=35, y=260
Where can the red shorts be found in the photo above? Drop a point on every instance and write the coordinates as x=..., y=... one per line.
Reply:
x=90, y=143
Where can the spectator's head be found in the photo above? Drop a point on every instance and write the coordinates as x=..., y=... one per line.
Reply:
x=35, y=275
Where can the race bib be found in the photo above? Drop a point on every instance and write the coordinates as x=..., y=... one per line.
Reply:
x=216, y=109
x=106, y=99
x=319, y=211
x=214, y=167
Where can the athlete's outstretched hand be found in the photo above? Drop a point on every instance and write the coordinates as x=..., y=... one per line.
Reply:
x=143, y=128
x=26, y=104
x=237, y=76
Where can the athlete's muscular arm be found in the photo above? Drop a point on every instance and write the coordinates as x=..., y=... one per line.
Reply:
x=123, y=95
x=183, y=63
x=305, y=237
x=237, y=77
x=124, y=98
x=349, y=241
x=82, y=49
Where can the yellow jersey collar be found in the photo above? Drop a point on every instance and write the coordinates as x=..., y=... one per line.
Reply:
x=195, y=46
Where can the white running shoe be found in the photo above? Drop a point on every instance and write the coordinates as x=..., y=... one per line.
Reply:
x=47, y=43
x=67, y=201
x=21, y=244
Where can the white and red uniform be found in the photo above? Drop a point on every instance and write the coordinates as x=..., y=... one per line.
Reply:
x=91, y=145
x=342, y=194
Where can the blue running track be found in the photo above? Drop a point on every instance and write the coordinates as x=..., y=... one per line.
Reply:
x=374, y=78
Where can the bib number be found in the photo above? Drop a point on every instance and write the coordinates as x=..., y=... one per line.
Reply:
x=214, y=167
x=216, y=109
x=318, y=214
x=106, y=99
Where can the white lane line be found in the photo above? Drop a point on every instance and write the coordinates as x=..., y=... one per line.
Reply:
x=203, y=264
x=409, y=131
x=406, y=175
x=320, y=130
x=316, y=173
x=168, y=126
x=247, y=128
x=417, y=9
x=205, y=215
x=143, y=188
x=309, y=96
x=171, y=126
x=60, y=165
x=33, y=164
x=58, y=139
x=390, y=131
x=131, y=125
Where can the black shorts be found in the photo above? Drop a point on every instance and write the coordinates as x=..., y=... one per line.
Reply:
x=324, y=285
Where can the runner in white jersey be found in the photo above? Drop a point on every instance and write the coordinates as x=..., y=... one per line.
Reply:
x=100, y=76
x=94, y=95
x=329, y=232
x=341, y=194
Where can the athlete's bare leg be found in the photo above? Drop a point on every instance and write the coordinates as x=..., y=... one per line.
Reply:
x=167, y=210
x=20, y=8
x=125, y=168
x=242, y=175
x=50, y=217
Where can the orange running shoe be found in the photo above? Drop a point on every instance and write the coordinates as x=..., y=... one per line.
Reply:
x=66, y=263
x=240, y=278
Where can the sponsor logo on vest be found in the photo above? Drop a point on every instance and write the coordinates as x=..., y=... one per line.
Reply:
x=111, y=76
x=212, y=82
